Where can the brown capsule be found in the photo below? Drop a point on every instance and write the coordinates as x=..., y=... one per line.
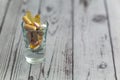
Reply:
x=34, y=37
x=29, y=27
x=35, y=45
x=26, y=20
x=40, y=37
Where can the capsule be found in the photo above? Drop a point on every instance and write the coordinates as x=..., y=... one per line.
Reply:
x=37, y=19
x=29, y=27
x=36, y=40
x=35, y=45
x=34, y=37
x=26, y=20
x=32, y=46
x=36, y=24
x=40, y=37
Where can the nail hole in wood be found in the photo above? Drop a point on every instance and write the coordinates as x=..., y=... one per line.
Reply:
x=49, y=9
x=99, y=18
x=23, y=10
x=85, y=3
x=103, y=65
x=105, y=37
x=30, y=78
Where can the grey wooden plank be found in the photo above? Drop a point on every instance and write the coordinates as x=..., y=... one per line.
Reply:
x=113, y=12
x=4, y=4
x=13, y=65
x=58, y=65
x=92, y=49
x=22, y=70
x=7, y=37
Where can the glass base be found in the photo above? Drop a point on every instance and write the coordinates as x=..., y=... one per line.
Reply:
x=34, y=60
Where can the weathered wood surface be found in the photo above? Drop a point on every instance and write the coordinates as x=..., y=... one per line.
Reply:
x=58, y=65
x=59, y=60
x=92, y=49
x=82, y=41
x=113, y=14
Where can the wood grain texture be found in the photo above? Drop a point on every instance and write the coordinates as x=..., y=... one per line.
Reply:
x=82, y=41
x=8, y=50
x=4, y=5
x=59, y=60
x=23, y=71
x=92, y=50
x=13, y=64
x=58, y=65
x=113, y=12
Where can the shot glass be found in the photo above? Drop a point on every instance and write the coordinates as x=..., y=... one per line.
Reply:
x=36, y=55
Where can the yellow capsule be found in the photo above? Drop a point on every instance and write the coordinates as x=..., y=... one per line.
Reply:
x=29, y=27
x=26, y=20
x=32, y=46
x=29, y=16
x=37, y=19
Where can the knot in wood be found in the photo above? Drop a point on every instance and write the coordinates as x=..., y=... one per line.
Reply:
x=99, y=18
x=103, y=65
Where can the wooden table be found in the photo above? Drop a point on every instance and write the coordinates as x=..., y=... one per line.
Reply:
x=83, y=41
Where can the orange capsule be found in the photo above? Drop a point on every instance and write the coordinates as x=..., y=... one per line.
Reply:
x=32, y=46
x=29, y=27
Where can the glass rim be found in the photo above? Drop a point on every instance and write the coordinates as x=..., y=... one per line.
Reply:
x=46, y=23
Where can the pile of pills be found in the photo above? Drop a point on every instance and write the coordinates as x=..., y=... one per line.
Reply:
x=34, y=28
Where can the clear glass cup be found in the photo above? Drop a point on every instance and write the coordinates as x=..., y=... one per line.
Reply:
x=37, y=55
